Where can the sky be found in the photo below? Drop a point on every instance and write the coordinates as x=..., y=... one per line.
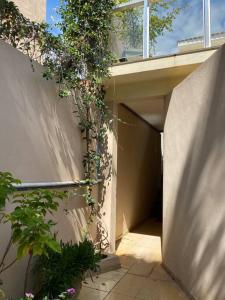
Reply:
x=51, y=11
x=188, y=24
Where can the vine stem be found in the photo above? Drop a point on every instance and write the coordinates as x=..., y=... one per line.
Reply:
x=88, y=143
x=8, y=266
x=27, y=273
x=5, y=254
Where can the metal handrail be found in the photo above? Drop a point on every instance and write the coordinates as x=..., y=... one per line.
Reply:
x=53, y=185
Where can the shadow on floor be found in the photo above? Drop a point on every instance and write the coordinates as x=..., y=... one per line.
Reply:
x=141, y=276
x=149, y=227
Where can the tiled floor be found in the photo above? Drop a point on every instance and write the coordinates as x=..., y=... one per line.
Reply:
x=141, y=276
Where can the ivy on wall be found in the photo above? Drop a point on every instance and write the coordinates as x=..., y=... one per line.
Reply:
x=78, y=59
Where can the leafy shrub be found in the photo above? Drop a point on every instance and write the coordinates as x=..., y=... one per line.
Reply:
x=59, y=271
x=31, y=231
x=7, y=188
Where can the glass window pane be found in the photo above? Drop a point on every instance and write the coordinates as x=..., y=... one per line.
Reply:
x=186, y=32
x=127, y=38
x=218, y=22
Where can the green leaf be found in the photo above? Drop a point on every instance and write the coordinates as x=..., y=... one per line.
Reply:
x=22, y=251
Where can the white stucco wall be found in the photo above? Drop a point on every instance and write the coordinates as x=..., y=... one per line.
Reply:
x=194, y=189
x=35, y=10
x=40, y=142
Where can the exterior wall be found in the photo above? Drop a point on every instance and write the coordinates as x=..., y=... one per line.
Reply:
x=34, y=10
x=138, y=170
x=194, y=189
x=40, y=142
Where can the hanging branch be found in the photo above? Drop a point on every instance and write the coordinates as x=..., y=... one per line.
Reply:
x=78, y=59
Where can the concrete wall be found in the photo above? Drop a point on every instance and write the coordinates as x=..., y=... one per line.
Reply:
x=35, y=10
x=138, y=170
x=40, y=142
x=194, y=189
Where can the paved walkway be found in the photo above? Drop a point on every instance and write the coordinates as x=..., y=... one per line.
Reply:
x=141, y=276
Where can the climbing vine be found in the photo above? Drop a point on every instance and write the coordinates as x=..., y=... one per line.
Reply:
x=78, y=59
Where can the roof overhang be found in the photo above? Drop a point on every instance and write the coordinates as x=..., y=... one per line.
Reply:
x=156, y=69
x=144, y=85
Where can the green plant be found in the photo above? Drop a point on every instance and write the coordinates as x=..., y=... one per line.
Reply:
x=7, y=187
x=59, y=271
x=31, y=231
x=2, y=294
x=78, y=59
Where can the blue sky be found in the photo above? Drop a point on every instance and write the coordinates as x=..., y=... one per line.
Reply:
x=188, y=23
x=51, y=10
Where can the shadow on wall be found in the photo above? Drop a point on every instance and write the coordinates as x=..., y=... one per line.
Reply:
x=194, y=189
x=71, y=219
x=40, y=139
x=138, y=171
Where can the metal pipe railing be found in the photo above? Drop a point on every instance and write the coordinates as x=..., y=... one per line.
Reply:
x=146, y=26
x=53, y=185
x=207, y=23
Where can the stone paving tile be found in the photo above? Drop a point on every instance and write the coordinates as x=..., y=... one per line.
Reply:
x=148, y=292
x=114, y=275
x=100, y=283
x=142, y=276
x=160, y=290
x=141, y=268
x=159, y=273
x=127, y=261
x=91, y=294
x=129, y=285
x=150, y=255
x=114, y=296
x=129, y=251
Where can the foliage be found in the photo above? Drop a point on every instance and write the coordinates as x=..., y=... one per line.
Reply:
x=161, y=23
x=19, y=31
x=162, y=15
x=2, y=294
x=78, y=60
x=7, y=183
x=31, y=232
x=58, y=271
